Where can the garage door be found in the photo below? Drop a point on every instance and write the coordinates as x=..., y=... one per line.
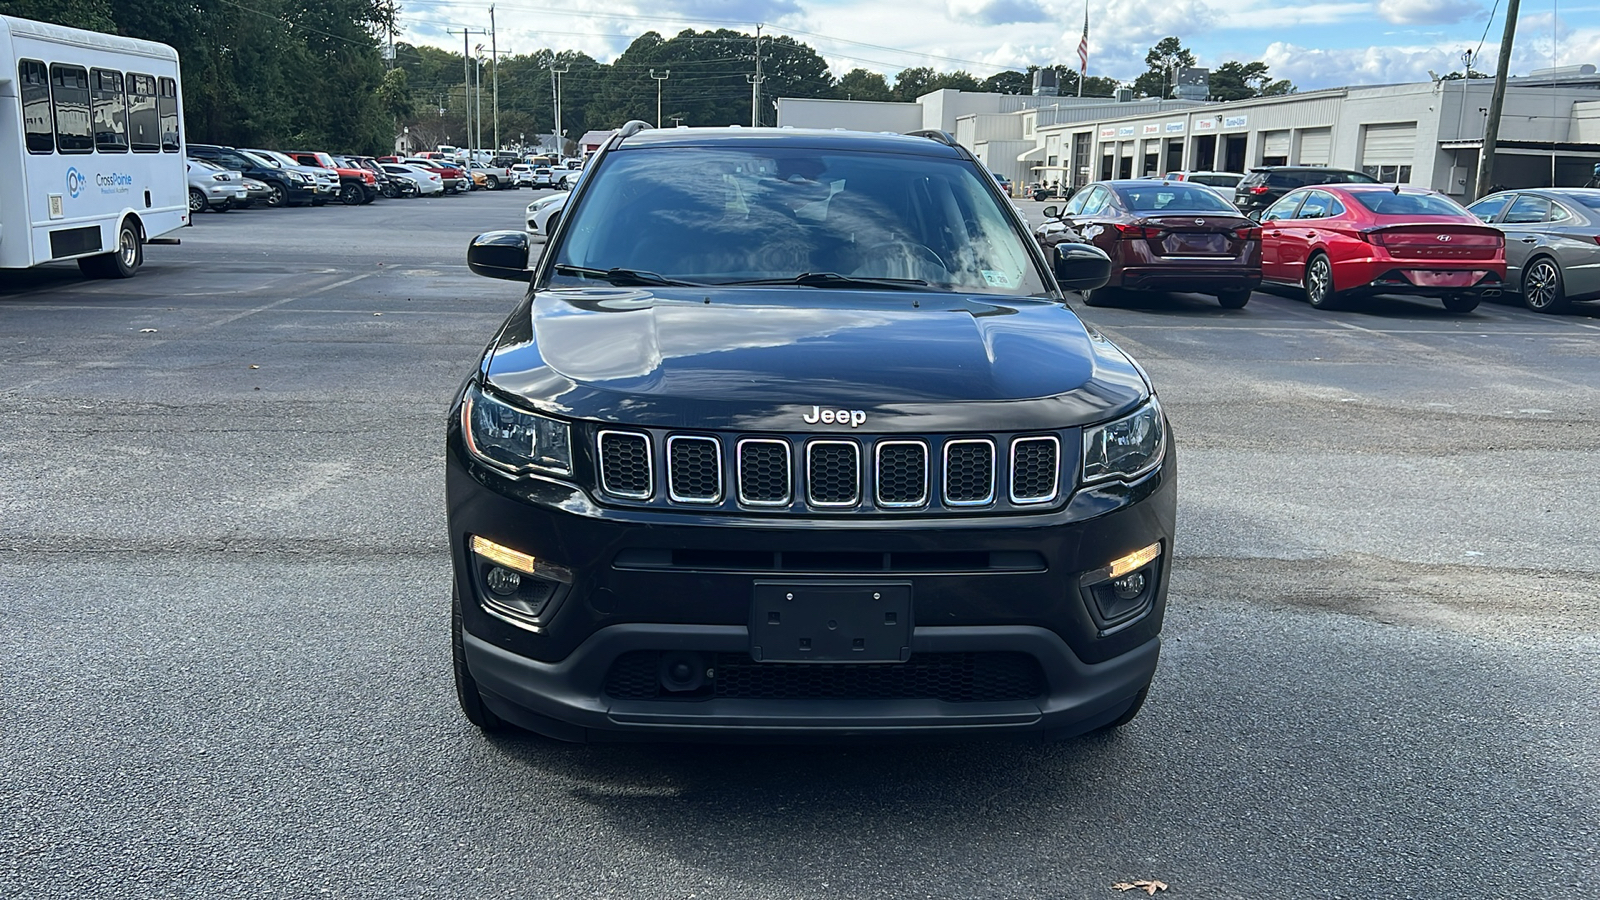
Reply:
x=1275, y=143
x=1316, y=146
x=1393, y=144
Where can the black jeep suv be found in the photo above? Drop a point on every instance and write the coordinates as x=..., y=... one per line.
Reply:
x=795, y=435
x=1266, y=185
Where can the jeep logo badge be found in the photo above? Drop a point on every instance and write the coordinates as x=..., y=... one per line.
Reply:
x=855, y=418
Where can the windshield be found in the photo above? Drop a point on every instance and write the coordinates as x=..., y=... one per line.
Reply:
x=1159, y=198
x=263, y=160
x=722, y=216
x=1386, y=203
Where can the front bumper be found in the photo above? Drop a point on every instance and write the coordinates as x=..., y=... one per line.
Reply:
x=640, y=582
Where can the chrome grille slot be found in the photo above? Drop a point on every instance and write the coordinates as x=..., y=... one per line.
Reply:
x=833, y=473
x=694, y=469
x=764, y=472
x=625, y=465
x=1035, y=469
x=902, y=473
x=969, y=472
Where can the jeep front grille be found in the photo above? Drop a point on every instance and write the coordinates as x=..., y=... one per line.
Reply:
x=886, y=474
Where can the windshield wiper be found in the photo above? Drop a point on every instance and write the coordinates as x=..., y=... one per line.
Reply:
x=835, y=280
x=624, y=277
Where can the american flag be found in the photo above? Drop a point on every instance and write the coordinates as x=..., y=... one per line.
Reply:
x=1083, y=45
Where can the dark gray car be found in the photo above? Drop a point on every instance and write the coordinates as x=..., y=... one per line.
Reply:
x=1552, y=243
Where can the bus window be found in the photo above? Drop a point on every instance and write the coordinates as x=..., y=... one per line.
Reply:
x=167, y=106
x=69, y=88
x=36, y=122
x=144, y=134
x=108, y=111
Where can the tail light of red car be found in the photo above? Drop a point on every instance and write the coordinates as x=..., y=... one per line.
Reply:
x=1137, y=232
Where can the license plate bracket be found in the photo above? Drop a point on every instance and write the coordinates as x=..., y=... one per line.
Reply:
x=830, y=622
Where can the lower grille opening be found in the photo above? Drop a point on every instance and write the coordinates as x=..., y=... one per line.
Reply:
x=835, y=562
x=948, y=677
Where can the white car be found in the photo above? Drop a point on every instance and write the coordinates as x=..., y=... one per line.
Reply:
x=425, y=183
x=522, y=176
x=1225, y=180
x=213, y=187
x=544, y=214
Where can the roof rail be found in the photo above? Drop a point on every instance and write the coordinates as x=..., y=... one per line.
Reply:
x=632, y=128
x=933, y=134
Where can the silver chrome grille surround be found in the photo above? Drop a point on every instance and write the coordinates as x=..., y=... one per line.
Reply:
x=969, y=472
x=1035, y=461
x=835, y=467
x=694, y=469
x=627, y=469
x=906, y=466
x=764, y=466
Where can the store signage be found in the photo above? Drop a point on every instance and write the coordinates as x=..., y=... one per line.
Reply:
x=1205, y=125
x=1174, y=128
x=1125, y=131
x=1234, y=121
x=1152, y=128
x=1108, y=133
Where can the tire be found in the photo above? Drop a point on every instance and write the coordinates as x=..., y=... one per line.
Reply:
x=1460, y=303
x=1129, y=714
x=1543, y=290
x=278, y=198
x=197, y=202
x=1318, y=283
x=491, y=183
x=350, y=195
x=319, y=201
x=467, y=693
x=224, y=206
x=1233, y=299
x=1099, y=297
x=124, y=263
x=390, y=191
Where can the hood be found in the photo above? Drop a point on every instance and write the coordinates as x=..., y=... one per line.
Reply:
x=762, y=358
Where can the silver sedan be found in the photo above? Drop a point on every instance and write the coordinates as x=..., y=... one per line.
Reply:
x=1552, y=243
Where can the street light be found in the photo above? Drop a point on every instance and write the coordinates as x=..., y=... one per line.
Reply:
x=659, y=79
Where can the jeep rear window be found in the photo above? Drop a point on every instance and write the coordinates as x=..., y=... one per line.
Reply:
x=723, y=215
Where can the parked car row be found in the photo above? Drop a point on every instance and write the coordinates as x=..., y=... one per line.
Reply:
x=1337, y=241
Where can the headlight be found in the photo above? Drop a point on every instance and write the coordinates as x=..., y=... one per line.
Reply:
x=509, y=438
x=303, y=176
x=1126, y=448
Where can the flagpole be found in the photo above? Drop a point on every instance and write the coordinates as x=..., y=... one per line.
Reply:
x=1083, y=71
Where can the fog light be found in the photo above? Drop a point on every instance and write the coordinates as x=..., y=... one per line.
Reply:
x=1128, y=587
x=503, y=581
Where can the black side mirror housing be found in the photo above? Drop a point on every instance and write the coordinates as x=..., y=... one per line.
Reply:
x=1081, y=267
x=499, y=254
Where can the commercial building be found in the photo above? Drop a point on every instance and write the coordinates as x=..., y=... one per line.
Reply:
x=1428, y=134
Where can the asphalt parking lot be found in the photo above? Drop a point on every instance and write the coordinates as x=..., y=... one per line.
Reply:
x=225, y=580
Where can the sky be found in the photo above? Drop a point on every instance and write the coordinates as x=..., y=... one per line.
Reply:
x=1315, y=44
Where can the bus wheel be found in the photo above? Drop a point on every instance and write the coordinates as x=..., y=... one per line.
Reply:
x=121, y=264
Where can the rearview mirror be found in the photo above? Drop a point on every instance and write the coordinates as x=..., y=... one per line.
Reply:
x=1081, y=267
x=1052, y=211
x=499, y=254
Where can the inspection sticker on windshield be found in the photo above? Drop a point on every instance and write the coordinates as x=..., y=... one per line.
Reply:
x=996, y=279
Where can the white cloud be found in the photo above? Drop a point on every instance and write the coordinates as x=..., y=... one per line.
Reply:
x=997, y=12
x=1310, y=68
x=1427, y=12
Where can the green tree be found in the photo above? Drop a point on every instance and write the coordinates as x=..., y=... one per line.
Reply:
x=394, y=95
x=913, y=83
x=862, y=84
x=1163, y=60
x=1009, y=82
x=94, y=15
x=1234, y=80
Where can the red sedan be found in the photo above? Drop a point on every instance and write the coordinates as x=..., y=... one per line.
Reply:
x=1342, y=241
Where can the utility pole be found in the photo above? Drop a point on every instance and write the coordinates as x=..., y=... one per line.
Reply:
x=658, y=80
x=555, y=86
x=1491, y=130
x=494, y=57
x=466, y=82
x=755, y=85
x=477, y=119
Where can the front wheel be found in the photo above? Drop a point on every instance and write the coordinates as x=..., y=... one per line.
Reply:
x=1319, y=283
x=277, y=197
x=350, y=195
x=1460, y=303
x=1542, y=289
x=1233, y=299
x=466, y=686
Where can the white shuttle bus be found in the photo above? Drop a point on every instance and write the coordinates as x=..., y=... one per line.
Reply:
x=91, y=148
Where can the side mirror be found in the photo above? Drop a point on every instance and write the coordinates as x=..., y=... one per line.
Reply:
x=1081, y=267
x=1052, y=211
x=499, y=254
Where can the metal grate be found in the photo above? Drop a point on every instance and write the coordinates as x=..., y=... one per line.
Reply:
x=764, y=472
x=694, y=469
x=1035, y=468
x=902, y=473
x=625, y=464
x=969, y=472
x=949, y=677
x=833, y=473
